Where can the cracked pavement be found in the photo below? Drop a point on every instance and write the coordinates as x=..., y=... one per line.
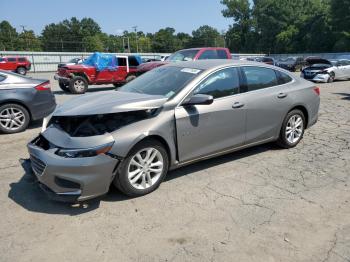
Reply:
x=259, y=204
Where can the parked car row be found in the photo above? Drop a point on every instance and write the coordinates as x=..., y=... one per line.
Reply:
x=24, y=99
x=312, y=68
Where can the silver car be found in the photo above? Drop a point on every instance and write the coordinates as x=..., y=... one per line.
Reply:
x=326, y=71
x=169, y=117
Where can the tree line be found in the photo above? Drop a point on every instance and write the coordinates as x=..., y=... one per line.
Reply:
x=258, y=26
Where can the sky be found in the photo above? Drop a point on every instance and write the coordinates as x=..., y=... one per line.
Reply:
x=116, y=16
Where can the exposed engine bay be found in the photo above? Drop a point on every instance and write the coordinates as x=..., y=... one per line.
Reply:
x=93, y=125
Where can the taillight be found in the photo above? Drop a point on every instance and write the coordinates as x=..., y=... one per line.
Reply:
x=317, y=90
x=43, y=86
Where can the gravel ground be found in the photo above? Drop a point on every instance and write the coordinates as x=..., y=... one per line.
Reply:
x=259, y=204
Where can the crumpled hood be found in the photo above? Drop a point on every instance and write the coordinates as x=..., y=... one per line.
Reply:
x=317, y=60
x=109, y=102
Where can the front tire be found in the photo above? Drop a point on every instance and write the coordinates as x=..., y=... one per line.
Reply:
x=14, y=118
x=78, y=85
x=331, y=77
x=142, y=171
x=21, y=70
x=292, y=130
x=64, y=87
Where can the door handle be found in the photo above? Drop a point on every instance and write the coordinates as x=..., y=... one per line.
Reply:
x=237, y=105
x=282, y=95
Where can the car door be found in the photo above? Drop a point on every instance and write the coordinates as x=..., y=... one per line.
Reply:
x=347, y=68
x=266, y=101
x=122, y=69
x=11, y=63
x=207, y=129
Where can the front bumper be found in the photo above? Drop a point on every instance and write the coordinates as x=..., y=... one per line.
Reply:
x=61, y=78
x=316, y=78
x=71, y=179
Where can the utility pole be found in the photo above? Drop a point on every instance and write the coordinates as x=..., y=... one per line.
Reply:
x=137, y=44
x=25, y=36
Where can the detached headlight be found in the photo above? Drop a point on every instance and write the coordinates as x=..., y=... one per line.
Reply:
x=46, y=120
x=88, y=152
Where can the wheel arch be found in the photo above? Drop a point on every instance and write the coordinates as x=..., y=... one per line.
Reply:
x=18, y=102
x=305, y=112
x=159, y=139
x=82, y=74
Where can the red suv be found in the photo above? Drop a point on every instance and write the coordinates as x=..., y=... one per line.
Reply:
x=188, y=55
x=98, y=69
x=19, y=65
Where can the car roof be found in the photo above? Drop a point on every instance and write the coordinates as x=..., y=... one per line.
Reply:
x=214, y=63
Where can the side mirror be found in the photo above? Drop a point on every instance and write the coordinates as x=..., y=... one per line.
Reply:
x=199, y=99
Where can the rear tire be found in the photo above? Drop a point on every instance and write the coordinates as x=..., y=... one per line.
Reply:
x=21, y=70
x=151, y=171
x=78, y=85
x=292, y=130
x=14, y=118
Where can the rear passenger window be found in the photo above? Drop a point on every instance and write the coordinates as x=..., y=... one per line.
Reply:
x=121, y=61
x=220, y=84
x=2, y=78
x=222, y=54
x=11, y=59
x=133, y=61
x=209, y=54
x=259, y=77
x=283, y=78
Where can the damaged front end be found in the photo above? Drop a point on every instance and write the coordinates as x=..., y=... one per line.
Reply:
x=95, y=125
x=74, y=156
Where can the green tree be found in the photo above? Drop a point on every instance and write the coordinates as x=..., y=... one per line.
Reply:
x=206, y=36
x=240, y=36
x=93, y=44
x=27, y=41
x=71, y=35
x=340, y=20
x=8, y=36
x=165, y=41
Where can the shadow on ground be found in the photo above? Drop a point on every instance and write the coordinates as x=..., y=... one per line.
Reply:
x=27, y=193
x=345, y=96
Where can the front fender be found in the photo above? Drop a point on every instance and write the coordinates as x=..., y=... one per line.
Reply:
x=161, y=126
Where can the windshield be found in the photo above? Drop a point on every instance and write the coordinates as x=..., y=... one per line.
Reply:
x=165, y=81
x=184, y=55
x=73, y=60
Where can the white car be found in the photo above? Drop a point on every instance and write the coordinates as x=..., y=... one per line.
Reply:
x=326, y=71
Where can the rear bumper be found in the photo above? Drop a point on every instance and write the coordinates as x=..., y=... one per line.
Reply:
x=40, y=109
x=71, y=179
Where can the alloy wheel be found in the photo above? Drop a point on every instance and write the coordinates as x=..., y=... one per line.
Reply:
x=79, y=85
x=145, y=168
x=294, y=129
x=12, y=118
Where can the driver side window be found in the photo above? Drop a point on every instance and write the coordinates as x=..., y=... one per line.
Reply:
x=220, y=84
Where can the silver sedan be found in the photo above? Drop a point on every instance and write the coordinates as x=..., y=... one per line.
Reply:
x=169, y=117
